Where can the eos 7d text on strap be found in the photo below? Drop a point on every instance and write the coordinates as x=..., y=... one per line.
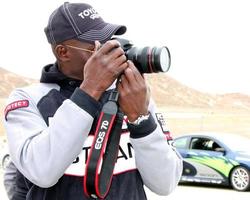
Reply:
x=104, y=149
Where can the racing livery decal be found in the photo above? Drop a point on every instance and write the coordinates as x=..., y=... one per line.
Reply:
x=207, y=169
x=222, y=165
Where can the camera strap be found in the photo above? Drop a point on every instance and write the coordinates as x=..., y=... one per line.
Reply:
x=104, y=149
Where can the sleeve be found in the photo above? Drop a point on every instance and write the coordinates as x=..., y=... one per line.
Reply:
x=159, y=164
x=42, y=153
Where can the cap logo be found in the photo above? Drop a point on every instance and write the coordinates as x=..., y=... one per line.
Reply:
x=90, y=12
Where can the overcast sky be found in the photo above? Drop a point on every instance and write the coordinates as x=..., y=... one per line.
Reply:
x=209, y=40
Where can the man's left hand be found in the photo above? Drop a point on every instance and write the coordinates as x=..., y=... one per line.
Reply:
x=133, y=93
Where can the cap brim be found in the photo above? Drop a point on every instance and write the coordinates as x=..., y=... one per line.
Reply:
x=102, y=34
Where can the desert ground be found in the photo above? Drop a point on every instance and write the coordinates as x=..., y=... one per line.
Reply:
x=187, y=120
x=181, y=120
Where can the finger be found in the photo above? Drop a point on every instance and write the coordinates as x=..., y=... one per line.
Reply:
x=122, y=91
x=120, y=60
x=116, y=52
x=97, y=45
x=120, y=70
x=136, y=72
x=124, y=85
x=124, y=81
x=109, y=46
x=130, y=73
x=119, y=87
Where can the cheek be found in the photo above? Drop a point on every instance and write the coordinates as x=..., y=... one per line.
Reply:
x=79, y=61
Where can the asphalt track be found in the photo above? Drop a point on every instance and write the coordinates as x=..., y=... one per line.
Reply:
x=204, y=192
x=182, y=192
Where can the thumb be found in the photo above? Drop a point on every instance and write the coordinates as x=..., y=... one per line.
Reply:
x=97, y=45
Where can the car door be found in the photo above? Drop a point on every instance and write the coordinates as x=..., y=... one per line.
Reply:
x=205, y=161
x=182, y=146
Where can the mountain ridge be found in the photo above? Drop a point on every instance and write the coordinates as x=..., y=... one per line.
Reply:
x=9, y=81
x=174, y=93
x=165, y=90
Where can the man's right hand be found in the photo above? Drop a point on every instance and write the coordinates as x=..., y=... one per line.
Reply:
x=103, y=67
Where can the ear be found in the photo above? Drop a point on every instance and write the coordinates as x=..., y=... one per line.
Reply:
x=61, y=52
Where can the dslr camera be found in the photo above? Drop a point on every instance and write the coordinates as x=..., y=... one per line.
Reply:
x=147, y=59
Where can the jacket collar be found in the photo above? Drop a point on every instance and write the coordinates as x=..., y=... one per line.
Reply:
x=51, y=74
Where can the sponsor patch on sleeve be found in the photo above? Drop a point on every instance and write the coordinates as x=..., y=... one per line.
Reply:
x=163, y=125
x=15, y=105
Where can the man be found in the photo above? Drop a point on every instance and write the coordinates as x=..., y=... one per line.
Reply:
x=50, y=125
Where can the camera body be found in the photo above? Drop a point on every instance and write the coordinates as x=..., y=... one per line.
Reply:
x=147, y=59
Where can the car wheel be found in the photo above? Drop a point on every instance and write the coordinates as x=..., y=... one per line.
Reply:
x=240, y=179
x=5, y=161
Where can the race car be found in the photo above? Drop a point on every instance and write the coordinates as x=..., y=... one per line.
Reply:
x=215, y=158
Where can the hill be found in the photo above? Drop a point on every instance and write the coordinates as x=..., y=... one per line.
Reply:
x=169, y=92
x=9, y=81
x=166, y=91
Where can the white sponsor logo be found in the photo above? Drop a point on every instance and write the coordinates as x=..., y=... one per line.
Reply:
x=101, y=134
x=90, y=12
x=162, y=121
x=125, y=159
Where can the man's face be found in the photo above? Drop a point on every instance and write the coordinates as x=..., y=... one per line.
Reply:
x=78, y=54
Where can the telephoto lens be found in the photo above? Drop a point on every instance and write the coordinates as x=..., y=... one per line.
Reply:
x=147, y=59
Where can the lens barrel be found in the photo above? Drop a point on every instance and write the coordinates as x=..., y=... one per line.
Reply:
x=147, y=59
x=150, y=59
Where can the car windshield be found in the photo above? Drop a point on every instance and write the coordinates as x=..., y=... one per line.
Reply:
x=236, y=142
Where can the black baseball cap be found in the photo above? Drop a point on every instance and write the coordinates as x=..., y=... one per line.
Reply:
x=79, y=21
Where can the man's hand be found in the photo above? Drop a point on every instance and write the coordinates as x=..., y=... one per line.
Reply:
x=133, y=93
x=103, y=68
